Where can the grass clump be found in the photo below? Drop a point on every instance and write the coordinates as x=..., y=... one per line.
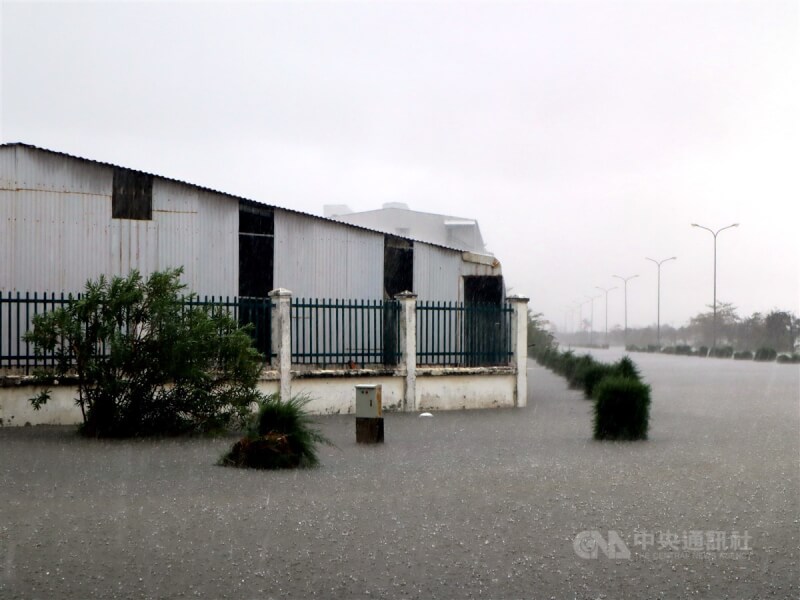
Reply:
x=622, y=409
x=281, y=436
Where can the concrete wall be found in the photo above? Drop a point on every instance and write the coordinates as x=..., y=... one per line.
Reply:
x=455, y=392
x=331, y=393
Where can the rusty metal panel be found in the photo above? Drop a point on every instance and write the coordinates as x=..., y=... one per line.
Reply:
x=315, y=258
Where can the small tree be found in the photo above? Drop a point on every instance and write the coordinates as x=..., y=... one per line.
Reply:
x=147, y=361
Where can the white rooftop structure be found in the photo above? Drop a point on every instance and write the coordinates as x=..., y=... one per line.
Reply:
x=396, y=218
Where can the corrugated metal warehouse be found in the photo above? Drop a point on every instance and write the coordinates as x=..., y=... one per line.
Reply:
x=65, y=219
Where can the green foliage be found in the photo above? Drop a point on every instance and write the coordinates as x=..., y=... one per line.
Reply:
x=281, y=436
x=765, y=354
x=540, y=338
x=722, y=352
x=593, y=375
x=576, y=371
x=146, y=363
x=789, y=358
x=621, y=409
x=743, y=355
x=626, y=368
x=702, y=351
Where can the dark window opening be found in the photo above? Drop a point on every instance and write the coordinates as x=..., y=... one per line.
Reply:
x=398, y=266
x=256, y=251
x=256, y=255
x=398, y=276
x=482, y=289
x=486, y=331
x=132, y=195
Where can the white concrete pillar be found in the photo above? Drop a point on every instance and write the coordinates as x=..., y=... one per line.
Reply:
x=282, y=339
x=408, y=347
x=519, y=339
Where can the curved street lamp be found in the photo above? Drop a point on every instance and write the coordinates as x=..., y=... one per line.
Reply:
x=625, y=281
x=714, y=233
x=659, y=263
x=606, y=292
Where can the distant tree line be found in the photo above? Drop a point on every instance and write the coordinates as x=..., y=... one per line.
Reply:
x=777, y=329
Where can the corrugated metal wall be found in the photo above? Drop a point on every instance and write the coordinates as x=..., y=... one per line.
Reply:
x=321, y=259
x=56, y=232
x=57, y=215
x=439, y=272
x=56, y=229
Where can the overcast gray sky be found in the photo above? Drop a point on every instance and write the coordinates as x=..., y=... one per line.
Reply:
x=583, y=136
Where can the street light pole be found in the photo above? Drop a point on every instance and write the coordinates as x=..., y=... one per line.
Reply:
x=606, y=292
x=658, y=264
x=714, y=233
x=625, y=281
x=591, y=300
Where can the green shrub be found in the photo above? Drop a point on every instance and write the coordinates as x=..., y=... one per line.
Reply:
x=765, y=354
x=147, y=364
x=632, y=348
x=702, y=351
x=281, y=436
x=683, y=350
x=789, y=358
x=722, y=352
x=743, y=355
x=625, y=368
x=621, y=409
x=577, y=374
x=594, y=374
x=560, y=361
x=668, y=350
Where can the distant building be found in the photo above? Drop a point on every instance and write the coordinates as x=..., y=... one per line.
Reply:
x=396, y=218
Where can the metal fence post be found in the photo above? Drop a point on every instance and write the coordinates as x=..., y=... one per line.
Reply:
x=519, y=336
x=282, y=339
x=408, y=347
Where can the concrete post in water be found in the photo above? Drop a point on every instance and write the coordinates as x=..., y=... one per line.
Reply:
x=519, y=339
x=282, y=339
x=408, y=347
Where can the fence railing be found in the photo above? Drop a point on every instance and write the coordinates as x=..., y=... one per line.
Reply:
x=17, y=311
x=457, y=334
x=326, y=333
x=350, y=333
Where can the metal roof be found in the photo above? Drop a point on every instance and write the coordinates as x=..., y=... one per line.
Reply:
x=212, y=190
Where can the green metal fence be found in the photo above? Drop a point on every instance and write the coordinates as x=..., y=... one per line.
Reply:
x=17, y=311
x=457, y=334
x=350, y=333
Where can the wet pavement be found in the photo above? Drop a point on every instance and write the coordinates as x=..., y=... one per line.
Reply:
x=474, y=504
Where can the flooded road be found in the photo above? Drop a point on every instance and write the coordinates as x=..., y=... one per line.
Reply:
x=478, y=504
